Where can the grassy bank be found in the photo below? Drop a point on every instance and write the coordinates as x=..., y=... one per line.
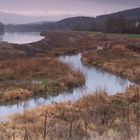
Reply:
x=118, y=60
x=56, y=43
x=95, y=116
x=33, y=69
x=53, y=44
x=23, y=78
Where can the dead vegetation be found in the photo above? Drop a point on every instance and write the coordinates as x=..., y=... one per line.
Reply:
x=22, y=78
x=55, y=43
x=17, y=94
x=118, y=60
x=97, y=116
x=93, y=116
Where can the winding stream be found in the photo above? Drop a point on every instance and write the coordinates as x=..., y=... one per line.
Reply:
x=96, y=79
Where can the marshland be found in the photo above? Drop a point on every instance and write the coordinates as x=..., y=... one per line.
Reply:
x=62, y=93
x=73, y=79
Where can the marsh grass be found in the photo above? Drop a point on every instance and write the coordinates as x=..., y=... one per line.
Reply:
x=39, y=75
x=118, y=60
x=95, y=116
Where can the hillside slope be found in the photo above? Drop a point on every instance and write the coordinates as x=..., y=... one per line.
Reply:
x=127, y=21
x=130, y=13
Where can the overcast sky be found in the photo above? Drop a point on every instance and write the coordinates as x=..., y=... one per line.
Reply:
x=57, y=9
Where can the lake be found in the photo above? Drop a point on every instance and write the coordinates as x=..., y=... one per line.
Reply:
x=20, y=37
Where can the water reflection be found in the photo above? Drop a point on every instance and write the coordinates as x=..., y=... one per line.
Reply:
x=96, y=79
x=20, y=37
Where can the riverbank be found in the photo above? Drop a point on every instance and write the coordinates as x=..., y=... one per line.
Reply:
x=93, y=116
x=22, y=78
x=119, y=60
x=117, y=57
x=54, y=44
x=95, y=79
x=35, y=69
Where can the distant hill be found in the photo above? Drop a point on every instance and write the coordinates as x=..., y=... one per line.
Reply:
x=1, y=28
x=76, y=23
x=131, y=16
x=73, y=23
x=127, y=21
x=37, y=26
x=130, y=13
x=8, y=18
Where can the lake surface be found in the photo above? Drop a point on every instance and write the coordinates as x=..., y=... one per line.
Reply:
x=20, y=37
x=96, y=80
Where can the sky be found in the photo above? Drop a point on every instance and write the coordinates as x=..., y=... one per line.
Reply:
x=58, y=9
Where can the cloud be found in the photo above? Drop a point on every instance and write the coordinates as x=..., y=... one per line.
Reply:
x=78, y=6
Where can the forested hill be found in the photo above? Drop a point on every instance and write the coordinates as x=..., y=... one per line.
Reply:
x=130, y=13
x=1, y=28
x=127, y=21
x=78, y=23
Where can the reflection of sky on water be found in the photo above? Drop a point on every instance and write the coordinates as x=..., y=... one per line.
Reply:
x=20, y=37
x=95, y=80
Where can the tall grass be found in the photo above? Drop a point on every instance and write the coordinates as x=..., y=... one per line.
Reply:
x=95, y=116
x=38, y=75
x=118, y=60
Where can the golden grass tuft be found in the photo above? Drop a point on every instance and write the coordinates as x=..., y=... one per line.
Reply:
x=38, y=75
x=92, y=116
x=15, y=94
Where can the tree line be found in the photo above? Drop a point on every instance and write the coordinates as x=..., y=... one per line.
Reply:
x=116, y=24
x=1, y=28
x=109, y=24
